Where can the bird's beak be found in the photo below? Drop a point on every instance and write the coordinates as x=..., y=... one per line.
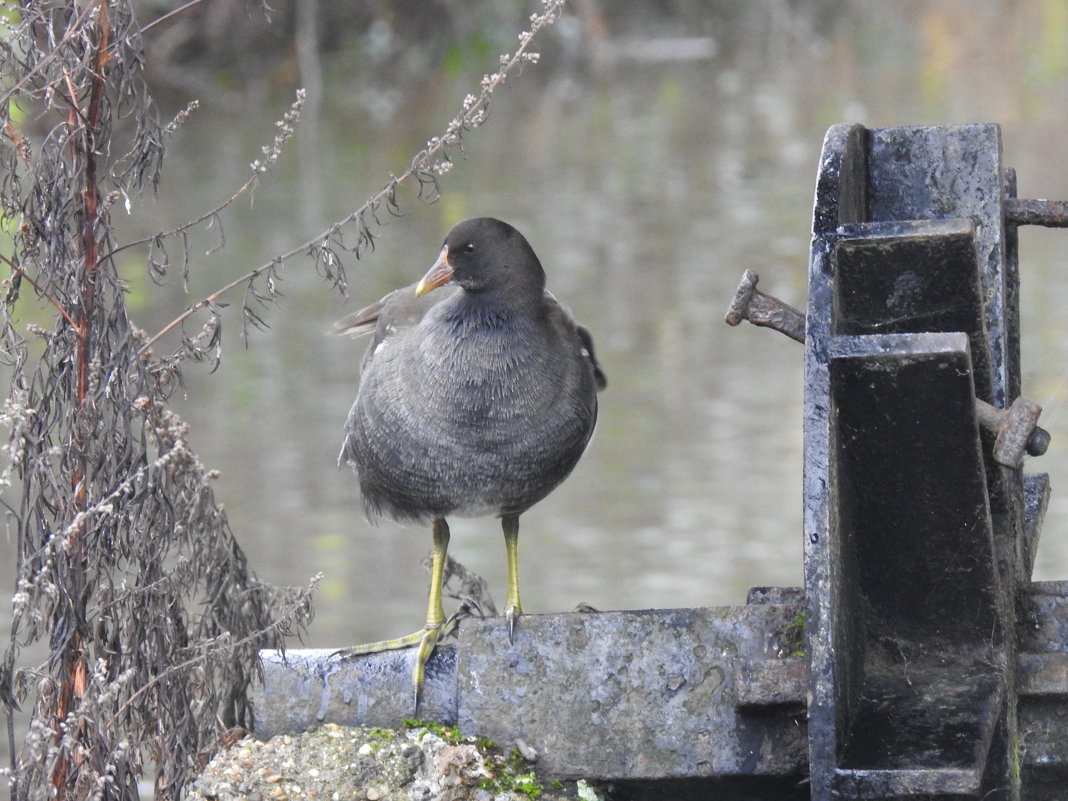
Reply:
x=440, y=273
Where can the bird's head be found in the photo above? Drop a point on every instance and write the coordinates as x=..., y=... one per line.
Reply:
x=484, y=255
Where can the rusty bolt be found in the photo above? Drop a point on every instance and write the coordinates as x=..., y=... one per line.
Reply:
x=1016, y=428
x=760, y=309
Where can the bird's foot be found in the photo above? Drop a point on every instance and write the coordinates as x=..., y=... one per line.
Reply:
x=431, y=635
x=407, y=641
x=512, y=613
x=424, y=641
x=469, y=607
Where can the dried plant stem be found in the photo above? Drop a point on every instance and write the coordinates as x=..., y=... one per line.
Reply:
x=22, y=275
x=75, y=670
x=424, y=168
x=163, y=18
x=73, y=30
x=126, y=567
x=286, y=125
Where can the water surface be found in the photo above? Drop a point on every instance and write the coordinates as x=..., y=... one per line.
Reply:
x=646, y=187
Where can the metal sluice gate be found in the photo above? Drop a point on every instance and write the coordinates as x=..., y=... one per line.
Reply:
x=919, y=661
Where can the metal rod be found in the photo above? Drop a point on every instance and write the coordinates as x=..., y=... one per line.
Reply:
x=753, y=305
x=1050, y=213
x=1016, y=428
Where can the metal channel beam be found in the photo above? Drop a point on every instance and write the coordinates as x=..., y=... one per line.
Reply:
x=912, y=529
x=923, y=640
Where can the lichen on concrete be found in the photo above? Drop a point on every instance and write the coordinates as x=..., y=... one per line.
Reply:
x=336, y=763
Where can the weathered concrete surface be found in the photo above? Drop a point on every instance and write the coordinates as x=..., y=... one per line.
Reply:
x=306, y=688
x=355, y=764
x=635, y=695
x=646, y=694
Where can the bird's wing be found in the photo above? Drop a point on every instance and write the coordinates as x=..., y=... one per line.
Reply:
x=587, y=345
x=362, y=321
x=399, y=310
x=555, y=309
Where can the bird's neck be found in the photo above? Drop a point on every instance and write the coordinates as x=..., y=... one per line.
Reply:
x=494, y=309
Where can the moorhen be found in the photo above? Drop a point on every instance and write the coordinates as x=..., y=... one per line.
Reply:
x=477, y=399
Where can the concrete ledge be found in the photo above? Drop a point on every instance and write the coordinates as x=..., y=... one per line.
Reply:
x=640, y=695
x=635, y=695
x=306, y=688
x=659, y=694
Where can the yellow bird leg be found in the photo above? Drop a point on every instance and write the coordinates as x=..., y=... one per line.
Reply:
x=436, y=626
x=435, y=612
x=513, y=608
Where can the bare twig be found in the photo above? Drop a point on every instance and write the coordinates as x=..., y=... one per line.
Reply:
x=287, y=126
x=72, y=30
x=25, y=277
x=169, y=14
x=424, y=168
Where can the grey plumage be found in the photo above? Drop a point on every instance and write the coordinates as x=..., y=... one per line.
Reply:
x=476, y=399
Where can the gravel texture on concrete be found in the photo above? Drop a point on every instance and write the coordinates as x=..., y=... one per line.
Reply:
x=336, y=763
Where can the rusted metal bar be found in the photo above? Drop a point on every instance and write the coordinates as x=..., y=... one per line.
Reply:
x=1050, y=213
x=638, y=695
x=751, y=722
x=753, y=305
x=1016, y=428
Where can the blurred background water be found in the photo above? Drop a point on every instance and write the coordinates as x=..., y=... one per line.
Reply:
x=657, y=151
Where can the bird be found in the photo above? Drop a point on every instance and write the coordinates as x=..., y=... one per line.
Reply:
x=477, y=397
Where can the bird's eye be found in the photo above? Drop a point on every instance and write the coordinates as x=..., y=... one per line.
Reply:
x=469, y=247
